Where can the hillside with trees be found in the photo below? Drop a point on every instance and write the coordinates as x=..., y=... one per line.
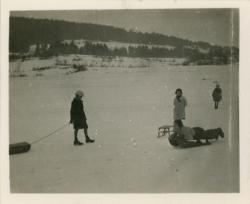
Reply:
x=25, y=32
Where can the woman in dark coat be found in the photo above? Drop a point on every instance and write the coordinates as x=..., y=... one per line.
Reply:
x=78, y=118
x=217, y=96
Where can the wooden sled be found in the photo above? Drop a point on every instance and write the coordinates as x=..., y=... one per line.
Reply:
x=18, y=148
x=174, y=141
x=190, y=144
x=165, y=129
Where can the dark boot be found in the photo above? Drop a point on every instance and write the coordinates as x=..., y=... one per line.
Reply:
x=221, y=133
x=77, y=142
x=88, y=140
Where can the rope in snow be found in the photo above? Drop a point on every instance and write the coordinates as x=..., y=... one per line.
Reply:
x=50, y=134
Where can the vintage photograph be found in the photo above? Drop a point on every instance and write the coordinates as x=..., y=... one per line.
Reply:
x=124, y=101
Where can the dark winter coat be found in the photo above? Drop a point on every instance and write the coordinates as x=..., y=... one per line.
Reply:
x=77, y=114
x=217, y=94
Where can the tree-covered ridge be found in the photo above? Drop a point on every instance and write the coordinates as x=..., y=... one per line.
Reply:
x=28, y=31
x=49, y=37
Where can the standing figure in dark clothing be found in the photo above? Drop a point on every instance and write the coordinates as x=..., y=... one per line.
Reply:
x=217, y=96
x=78, y=118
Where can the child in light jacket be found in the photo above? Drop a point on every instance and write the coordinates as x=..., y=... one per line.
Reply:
x=180, y=103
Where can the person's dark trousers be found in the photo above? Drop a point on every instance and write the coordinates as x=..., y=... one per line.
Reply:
x=76, y=141
x=87, y=139
x=86, y=133
x=179, y=123
x=216, y=104
x=75, y=135
x=206, y=134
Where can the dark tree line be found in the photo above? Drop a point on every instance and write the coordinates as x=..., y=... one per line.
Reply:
x=101, y=49
x=216, y=55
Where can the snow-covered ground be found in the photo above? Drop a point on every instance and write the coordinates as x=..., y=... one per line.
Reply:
x=124, y=105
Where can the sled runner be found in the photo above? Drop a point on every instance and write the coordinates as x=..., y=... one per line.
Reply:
x=18, y=148
x=165, y=129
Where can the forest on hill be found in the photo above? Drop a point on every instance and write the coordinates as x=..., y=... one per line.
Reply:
x=25, y=32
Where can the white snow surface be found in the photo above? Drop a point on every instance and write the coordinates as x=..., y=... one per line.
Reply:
x=124, y=107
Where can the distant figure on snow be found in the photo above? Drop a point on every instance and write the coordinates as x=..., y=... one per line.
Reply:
x=217, y=96
x=183, y=135
x=180, y=103
x=78, y=118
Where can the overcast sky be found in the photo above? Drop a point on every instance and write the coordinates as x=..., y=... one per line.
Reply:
x=216, y=26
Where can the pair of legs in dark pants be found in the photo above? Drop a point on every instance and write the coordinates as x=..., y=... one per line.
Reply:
x=216, y=104
x=87, y=139
x=201, y=134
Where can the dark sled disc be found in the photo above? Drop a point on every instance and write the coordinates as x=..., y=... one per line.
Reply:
x=18, y=148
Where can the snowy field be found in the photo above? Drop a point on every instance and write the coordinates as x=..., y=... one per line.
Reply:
x=124, y=105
